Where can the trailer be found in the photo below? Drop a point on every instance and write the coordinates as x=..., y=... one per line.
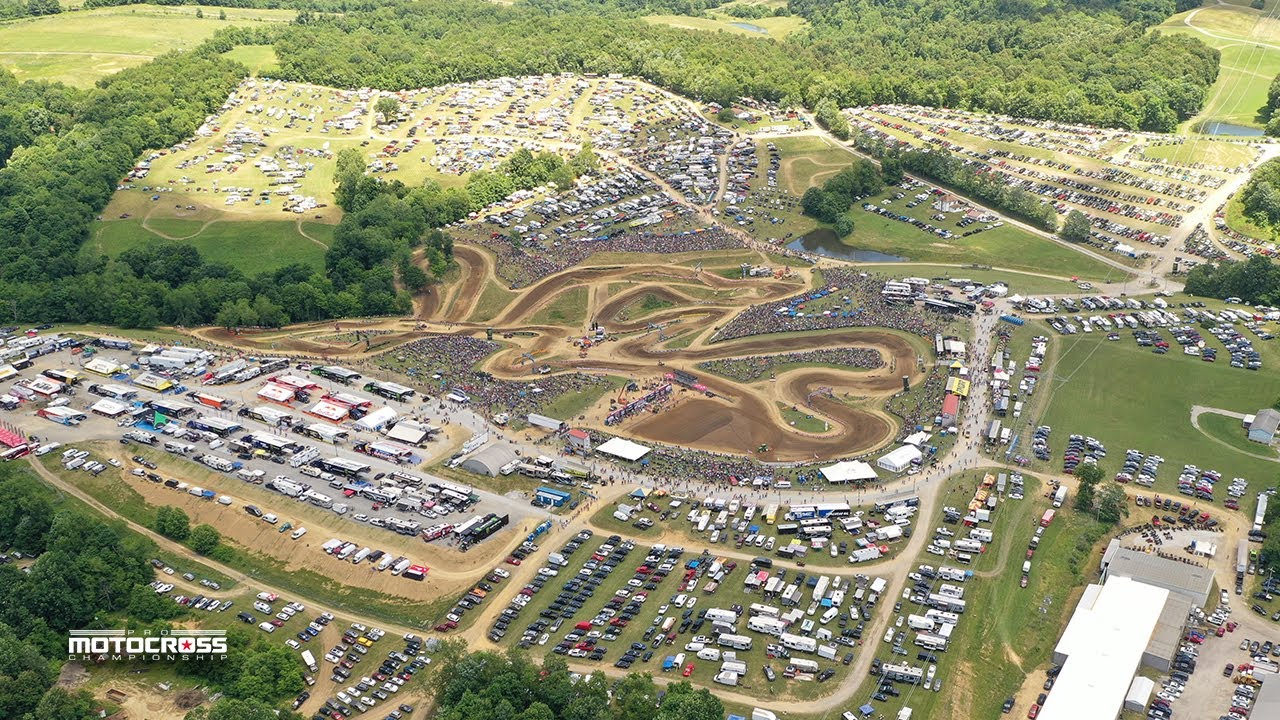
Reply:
x=1060, y=496
x=1047, y=518
x=309, y=660
x=798, y=642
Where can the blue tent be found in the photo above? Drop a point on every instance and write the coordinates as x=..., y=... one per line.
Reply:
x=866, y=709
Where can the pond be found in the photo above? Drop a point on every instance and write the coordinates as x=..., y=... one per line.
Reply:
x=749, y=27
x=1221, y=128
x=824, y=242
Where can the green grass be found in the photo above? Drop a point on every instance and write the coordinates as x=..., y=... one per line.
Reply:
x=80, y=47
x=652, y=303
x=1128, y=397
x=570, y=405
x=802, y=421
x=1246, y=66
x=1006, y=246
x=777, y=27
x=568, y=308
x=492, y=301
x=1229, y=430
x=260, y=59
x=253, y=246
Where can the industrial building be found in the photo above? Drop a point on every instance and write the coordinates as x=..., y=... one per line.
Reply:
x=1103, y=647
x=1192, y=581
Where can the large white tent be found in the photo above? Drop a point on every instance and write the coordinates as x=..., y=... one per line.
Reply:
x=849, y=471
x=376, y=420
x=622, y=448
x=900, y=459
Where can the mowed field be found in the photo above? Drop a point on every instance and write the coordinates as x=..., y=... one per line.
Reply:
x=80, y=47
x=1128, y=397
x=252, y=246
x=1249, y=41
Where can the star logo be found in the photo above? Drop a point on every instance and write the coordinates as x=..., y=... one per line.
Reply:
x=186, y=644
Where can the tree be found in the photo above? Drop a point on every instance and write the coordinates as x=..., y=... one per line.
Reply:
x=24, y=674
x=62, y=704
x=146, y=605
x=1089, y=475
x=204, y=539
x=635, y=698
x=1076, y=227
x=199, y=14
x=726, y=115
x=891, y=169
x=843, y=226
x=387, y=107
x=172, y=522
x=1113, y=504
x=222, y=14
x=683, y=702
x=1257, y=4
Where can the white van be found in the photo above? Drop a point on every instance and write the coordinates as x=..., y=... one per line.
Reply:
x=224, y=500
x=266, y=627
x=298, y=533
x=270, y=518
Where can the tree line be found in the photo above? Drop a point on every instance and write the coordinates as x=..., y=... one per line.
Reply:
x=830, y=203
x=1070, y=60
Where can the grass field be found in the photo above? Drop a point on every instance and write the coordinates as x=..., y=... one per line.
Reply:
x=568, y=308
x=492, y=300
x=1128, y=397
x=80, y=47
x=1006, y=246
x=1250, y=58
x=260, y=59
x=802, y=421
x=253, y=246
x=1229, y=430
x=771, y=27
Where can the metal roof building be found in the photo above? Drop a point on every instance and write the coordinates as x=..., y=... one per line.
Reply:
x=1188, y=580
x=1264, y=425
x=1102, y=649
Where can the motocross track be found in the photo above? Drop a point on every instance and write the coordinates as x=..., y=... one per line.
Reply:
x=741, y=418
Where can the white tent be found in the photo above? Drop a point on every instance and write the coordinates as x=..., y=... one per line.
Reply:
x=1139, y=694
x=918, y=439
x=625, y=449
x=900, y=459
x=108, y=407
x=848, y=471
x=411, y=432
x=276, y=393
x=376, y=419
x=332, y=412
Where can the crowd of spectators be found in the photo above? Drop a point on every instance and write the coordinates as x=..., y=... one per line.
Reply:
x=444, y=363
x=522, y=265
x=754, y=367
x=855, y=302
x=919, y=405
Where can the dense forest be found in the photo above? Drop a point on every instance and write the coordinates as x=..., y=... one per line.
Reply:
x=89, y=574
x=1074, y=60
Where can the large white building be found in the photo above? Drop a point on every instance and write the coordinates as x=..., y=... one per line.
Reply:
x=1102, y=649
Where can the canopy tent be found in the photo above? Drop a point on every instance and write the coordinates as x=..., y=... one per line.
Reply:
x=918, y=439
x=900, y=459
x=638, y=493
x=276, y=393
x=108, y=407
x=622, y=448
x=329, y=411
x=411, y=432
x=848, y=471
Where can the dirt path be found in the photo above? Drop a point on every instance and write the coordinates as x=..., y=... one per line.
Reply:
x=1198, y=410
x=301, y=231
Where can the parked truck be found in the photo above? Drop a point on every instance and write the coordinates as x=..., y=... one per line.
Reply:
x=1060, y=496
